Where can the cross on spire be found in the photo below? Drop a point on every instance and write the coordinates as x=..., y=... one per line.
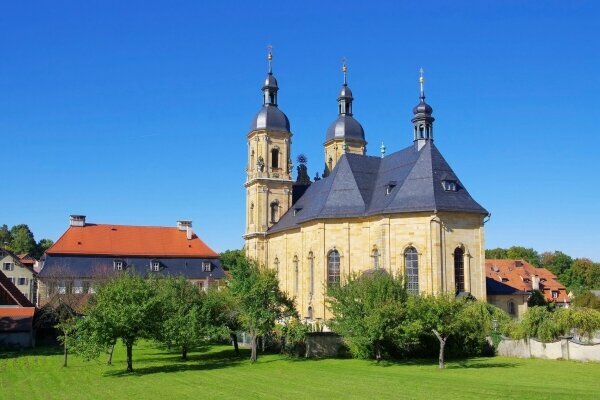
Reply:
x=344, y=68
x=422, y=81
x=270, y=58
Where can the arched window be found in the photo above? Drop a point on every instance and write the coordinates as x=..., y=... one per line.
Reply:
x=459, y=269
x=310, y=313
x=511, y=307
x=375, y=254
x=296, y=275
x=252, y=160
x=311, y=262
x=330, y=163
x=333, y=268
x=276, y=263
x=274, y=211
x=251, y=213
x=411, y=261
x=275, y=158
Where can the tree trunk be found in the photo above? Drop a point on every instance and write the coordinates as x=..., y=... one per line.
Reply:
x=65, y=348
x=234, y=341
x=262, y=343
x=184, y=351
x=254, y=346
x=377, y=351
x=442, y=346
x=110, y=354
x=129, y=356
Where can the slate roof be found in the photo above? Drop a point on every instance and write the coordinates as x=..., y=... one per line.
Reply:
x=358, y=184
x=128, y=240
x=89, y=267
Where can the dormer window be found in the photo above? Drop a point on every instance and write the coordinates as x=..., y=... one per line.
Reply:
x=297, y=210
x=389, y=187
x=206, y=266
x=449, y=185
x=155, y=266
x=118, y=265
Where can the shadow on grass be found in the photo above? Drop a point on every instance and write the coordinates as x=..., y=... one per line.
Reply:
x=195, y=362
x=36, y=351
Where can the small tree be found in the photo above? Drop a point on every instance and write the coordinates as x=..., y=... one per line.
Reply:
x=537, y=299
x=366, y=310
x=443, y=316
x=221, y=310
x=124, y=308
x=180, y=314
x=261, y=303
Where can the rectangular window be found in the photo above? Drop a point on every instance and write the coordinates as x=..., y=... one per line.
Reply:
x=8, y=266
x=155, y=266
x=554, y=294
x=22, y=281
x=118, y=264
x=11, y=279
x=206, y=266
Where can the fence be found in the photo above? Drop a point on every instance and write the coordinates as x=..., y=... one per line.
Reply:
x=566, y=349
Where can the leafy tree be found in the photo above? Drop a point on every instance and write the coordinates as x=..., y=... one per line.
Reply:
x=539, y=322
x=537, y=299
x=41, y=247
x=587, y=299
x=515, y=253
x=443, y=316
x=557, y=262
x=22, y=239
x=261, y=303
x=5, y=237
x=182, y=323
x=124, y=308
x=496, y=254
x=221, y=309
x=585, y=321
x=366, y=310
x=231, y=258
x=588, y=272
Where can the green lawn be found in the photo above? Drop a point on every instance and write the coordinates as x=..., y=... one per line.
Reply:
x=216, y=373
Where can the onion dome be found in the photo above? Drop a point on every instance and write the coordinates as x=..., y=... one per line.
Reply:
x=270, y=117
x=345, y=127
x=422, y=120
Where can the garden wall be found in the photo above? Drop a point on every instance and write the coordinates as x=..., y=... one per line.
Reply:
x=566, y=349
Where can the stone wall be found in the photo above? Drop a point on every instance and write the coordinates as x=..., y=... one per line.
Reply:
x=323, y=344
x=565, y=349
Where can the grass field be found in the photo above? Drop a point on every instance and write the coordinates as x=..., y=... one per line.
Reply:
x=218, y=374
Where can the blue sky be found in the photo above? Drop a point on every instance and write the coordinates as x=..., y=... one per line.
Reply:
x=136, y=112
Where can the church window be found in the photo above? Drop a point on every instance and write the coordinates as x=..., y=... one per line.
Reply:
x=330, y=163
x=276, y=263
x=421, y=132
x=274, y=211
x=375, y=254
x=251, y=213
x=310, y=313
x=333, y=268
x=511, y=308
x=311, y=261
x=459, y=270
x=252, y=159
x=296, y=275
x=411, y=262
x=275, y=158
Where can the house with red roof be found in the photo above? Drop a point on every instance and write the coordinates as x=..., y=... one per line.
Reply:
x=509, y=283
x=88, y=252
x=16, y=316
x=22, y=275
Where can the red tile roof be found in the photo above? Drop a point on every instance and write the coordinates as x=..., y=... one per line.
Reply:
x=126, y=240
x=16, y=319
x=519, y=275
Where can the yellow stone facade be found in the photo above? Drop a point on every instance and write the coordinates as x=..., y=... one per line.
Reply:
x=334, y=149
x=434, y=236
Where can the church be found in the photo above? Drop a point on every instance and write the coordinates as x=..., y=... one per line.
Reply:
x=406, y=213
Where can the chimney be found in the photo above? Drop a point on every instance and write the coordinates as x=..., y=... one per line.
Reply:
x=535, y=282
x=77, y=220
x=186, y=226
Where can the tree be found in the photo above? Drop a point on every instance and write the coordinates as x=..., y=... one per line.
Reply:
x=557, y=262
x=22, y=239
x=5, y=237
x=231, y=258
x=537, y=299
x=181, y=315
x=538, y=322
x=124, y=308
x=221, y=309
x=41, y=247
x=260, y=302
x=496, y=254
x=367, y=309
x=515, y=253
x=587, y=299
x=443, y=316
x=585, y=321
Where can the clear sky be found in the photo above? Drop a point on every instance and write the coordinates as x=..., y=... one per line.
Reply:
x=136, y=112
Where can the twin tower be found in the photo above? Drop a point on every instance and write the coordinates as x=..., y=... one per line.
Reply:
x=269, y=185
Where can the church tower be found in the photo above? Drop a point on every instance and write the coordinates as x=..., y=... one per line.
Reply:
x=422, y=121
x=268, y=173
x=345, y=134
